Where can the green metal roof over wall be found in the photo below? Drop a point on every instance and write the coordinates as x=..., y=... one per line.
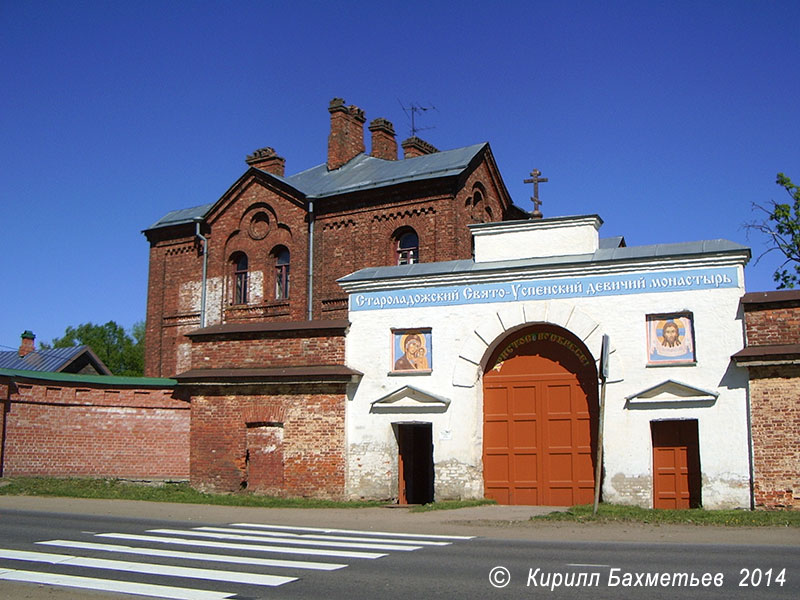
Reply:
x=103, y=380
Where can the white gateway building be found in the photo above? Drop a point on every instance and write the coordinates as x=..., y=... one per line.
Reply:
x=484, y=377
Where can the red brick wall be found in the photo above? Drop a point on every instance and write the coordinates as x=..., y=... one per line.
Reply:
x=347, y=240
x=775, y=409
x=227, y=352
x=357, y=231
x=312, y=417
x=255, y=220
x=772, y=325
x=773, y=319
x=55, y=429
x=172, y=307
x=4, y=407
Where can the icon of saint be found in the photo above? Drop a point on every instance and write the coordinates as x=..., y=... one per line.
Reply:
x=670, y=341
x=414, y=356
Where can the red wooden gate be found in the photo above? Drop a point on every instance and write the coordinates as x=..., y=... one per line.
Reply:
x=538, y=425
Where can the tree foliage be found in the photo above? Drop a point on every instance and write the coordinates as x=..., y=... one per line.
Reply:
x=122, y=352
x=782, y=227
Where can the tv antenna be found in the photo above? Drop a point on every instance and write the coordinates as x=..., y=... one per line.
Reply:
x=412, y=110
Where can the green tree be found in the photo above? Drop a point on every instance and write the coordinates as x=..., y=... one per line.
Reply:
x=121, y=352
x=782, y=227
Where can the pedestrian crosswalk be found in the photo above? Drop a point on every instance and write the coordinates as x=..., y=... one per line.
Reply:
x=200, y=560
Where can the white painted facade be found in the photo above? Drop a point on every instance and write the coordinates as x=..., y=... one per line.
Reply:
x=551, y=271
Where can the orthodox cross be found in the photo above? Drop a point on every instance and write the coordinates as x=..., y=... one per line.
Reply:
x=536, y=180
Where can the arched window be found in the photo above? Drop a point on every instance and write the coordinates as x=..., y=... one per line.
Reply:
x=475, y=205
x=407, y=248
x=281, y=256
x=239, y=261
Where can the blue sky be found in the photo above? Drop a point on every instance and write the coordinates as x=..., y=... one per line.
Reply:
x=668, y=119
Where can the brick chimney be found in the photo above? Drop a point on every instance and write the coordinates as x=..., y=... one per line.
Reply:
x=383, y=143
x=26, y=345
x=267, y=160
x=414, y=146
x=346, y=140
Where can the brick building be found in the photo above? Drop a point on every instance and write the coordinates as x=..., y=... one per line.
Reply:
x=772, y=358
x=396, y=328
x=244, y=309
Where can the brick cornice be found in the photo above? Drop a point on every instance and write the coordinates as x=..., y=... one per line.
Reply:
x=768, y=354
x=278, y=375
x=301, y=328
x=776, y=299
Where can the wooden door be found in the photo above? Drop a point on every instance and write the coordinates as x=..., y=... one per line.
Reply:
x=511, y=441
x=415, y=463
x=540, y=419
x=537, y=440
x=676, y=464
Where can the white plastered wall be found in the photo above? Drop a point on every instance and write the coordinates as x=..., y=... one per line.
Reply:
x=464, y=335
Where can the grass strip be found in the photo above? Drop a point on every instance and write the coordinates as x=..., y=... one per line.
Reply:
x=116, y=489
x=615, y=513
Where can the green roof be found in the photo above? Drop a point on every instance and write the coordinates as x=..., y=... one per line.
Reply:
x=105, y=380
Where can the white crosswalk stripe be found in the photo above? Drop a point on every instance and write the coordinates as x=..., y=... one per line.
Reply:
x=354, y=531
x=254, y=547
x=230, y=534
x=108, y=585
x=242, y=560
x=333, y=538
x=147, y=568
x=229, y=547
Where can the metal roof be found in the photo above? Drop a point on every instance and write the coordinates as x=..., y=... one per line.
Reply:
x=52, y=360
x=184, y=215
x=603, y=254
x=772, y=352
x=612, y=242
x=104, y=380
x=775, y=297
x=367, y=172
x=363, y=172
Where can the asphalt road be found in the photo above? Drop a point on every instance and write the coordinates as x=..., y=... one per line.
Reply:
x=445, y=556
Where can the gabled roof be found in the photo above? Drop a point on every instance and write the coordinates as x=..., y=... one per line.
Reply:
x=363, y=172
x=72, y=359
x=367, y=172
